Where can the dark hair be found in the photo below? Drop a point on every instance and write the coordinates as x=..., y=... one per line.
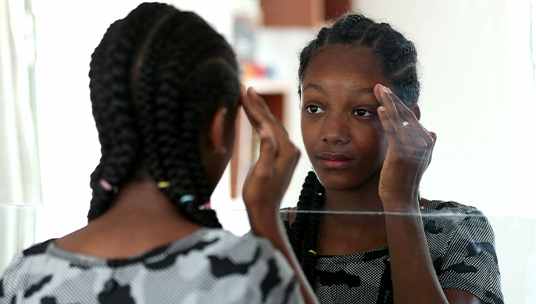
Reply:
x=156, y=80
x=396, y=54
x=398, y=58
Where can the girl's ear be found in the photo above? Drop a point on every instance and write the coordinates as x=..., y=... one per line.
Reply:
x=416, y=110
x=217, y=131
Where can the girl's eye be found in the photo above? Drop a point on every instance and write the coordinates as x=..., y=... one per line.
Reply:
x=362, y=112
x=314, y=109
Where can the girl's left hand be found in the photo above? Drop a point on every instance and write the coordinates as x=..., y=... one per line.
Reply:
x=270, y=176
x=408, y=155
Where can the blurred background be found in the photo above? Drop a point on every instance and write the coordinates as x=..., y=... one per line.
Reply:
x=477, y=68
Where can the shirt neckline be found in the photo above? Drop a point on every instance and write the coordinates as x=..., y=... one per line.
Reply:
x=84, y=260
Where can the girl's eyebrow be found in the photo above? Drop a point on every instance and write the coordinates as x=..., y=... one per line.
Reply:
x=319, y=88
x=315, y=87
x=364, y=90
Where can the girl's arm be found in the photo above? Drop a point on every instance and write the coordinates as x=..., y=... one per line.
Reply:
x=268, y=181
x=408, y=156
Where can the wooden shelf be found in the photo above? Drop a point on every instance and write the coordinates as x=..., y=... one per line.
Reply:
x=308, y=13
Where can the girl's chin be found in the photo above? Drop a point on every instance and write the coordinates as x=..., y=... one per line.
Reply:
x=336, y=183
x=339, y=181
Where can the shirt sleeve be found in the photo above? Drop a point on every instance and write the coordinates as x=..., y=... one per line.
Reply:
x=470, y=262
x=279, y=283
x=8, y=280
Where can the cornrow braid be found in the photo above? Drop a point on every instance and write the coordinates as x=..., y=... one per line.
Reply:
x=114, y=114
x=304, y=231
x=178, y=73
x=398, y=57
x=299, y=224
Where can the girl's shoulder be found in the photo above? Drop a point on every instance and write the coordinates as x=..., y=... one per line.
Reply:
x=441, y=206
x=455, y=215
x=207, y=260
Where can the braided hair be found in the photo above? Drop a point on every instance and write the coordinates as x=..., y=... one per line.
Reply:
x=398, y=58
x=156, y=80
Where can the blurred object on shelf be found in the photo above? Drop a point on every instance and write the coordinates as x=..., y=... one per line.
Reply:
x=252, y=69
x=299, y=13
x=244, y=37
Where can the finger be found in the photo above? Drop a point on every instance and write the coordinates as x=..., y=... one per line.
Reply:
x=409, y=120
x=256, y=114
x=432, y=146
x=387, y=124
x=259, y=100
x=386, y=99
x=267, y=154
x=285, y=147
x=386, y=113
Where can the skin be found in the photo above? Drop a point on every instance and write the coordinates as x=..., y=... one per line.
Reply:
x=142, y=218
x=367, y=161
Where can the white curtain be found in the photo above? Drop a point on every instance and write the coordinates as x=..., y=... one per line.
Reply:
x=20, y=190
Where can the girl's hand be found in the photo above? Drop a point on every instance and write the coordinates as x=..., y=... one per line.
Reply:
x=408, y=156
x=268, y=180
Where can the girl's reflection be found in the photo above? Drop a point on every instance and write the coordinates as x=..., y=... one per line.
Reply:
x=361, y=129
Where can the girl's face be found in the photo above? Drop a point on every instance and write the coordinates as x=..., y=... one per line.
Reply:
x=341, y=130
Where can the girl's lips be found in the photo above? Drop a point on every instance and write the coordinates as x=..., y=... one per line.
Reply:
x=334, y=161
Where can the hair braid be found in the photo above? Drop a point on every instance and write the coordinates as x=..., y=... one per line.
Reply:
x=189, y=173
x=112, y=109
x=297, y=233
x=178, y=73
x=304, y=230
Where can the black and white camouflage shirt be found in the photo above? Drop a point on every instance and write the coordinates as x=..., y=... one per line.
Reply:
x=462, y=247
x=209, y=266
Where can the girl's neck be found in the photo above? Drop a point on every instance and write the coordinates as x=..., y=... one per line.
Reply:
x=359, y=207
x=140, y=219
x=364, y=198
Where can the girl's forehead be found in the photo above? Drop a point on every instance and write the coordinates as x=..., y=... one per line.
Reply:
x=346, y=56
x=344, y=64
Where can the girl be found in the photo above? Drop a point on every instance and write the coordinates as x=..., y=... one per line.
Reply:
x=377, y=240
x=165, y=93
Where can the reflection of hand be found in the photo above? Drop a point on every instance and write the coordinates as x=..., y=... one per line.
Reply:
x=409, y=153
x=268, y=180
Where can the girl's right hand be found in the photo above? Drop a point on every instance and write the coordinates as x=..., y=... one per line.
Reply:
x=408, y=156
x=270, y=176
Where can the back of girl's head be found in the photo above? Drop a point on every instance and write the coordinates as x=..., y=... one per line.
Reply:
x=156, y=80
x=396, y=54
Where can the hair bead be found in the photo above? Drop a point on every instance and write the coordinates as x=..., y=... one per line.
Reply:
x=163, y=184
x=186, y=198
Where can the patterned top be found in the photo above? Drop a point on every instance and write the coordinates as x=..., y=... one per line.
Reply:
x=209, y=266
x=462, y=247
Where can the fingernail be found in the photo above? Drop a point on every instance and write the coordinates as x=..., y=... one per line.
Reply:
x=381, y=109
x=385, y=89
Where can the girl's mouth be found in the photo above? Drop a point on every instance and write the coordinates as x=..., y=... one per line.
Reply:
x=335, y=161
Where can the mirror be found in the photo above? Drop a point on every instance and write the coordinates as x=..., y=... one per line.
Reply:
x=476, y=64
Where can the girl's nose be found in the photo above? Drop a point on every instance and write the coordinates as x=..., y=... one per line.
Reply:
x=335, y=131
